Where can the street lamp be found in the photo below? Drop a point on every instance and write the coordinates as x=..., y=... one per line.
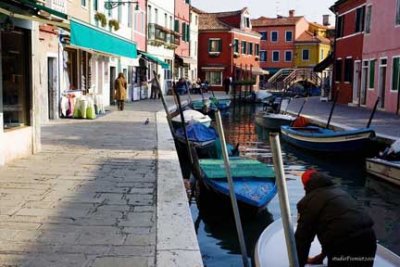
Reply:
x=113, y=4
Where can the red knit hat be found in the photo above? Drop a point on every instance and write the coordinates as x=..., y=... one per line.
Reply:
x=306, y=176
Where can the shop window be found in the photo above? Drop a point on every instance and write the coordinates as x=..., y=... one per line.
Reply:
x=214, y=77
x=16, y=78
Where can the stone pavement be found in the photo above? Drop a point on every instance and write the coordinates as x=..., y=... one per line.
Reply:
x=386, y=125
x=90, y=198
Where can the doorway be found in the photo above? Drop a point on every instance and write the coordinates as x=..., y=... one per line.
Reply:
x=52, y=87
x=382, y=82
x=113, y=76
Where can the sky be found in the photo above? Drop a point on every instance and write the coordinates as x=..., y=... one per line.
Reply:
x=311, y=9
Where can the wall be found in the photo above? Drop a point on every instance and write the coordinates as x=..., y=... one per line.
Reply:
x=182, y=14
x=383, y=41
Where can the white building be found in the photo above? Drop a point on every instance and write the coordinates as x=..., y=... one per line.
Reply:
x=194, y=45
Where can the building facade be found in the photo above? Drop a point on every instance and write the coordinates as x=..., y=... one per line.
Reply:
x=350, y=74
x=228, y=47
x=194, y=43
x=182, y=26
x=381, y=55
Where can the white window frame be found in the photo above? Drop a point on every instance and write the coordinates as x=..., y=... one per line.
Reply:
x=286, y=37
x=277, y=37
x=279, y=56
x=220, y=73
x=214, y=52
x=302, y=55
x=265, y=56
x=291, y=56
x=392, y=72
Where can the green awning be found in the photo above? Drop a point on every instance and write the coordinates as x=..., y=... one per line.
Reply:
x=39, y=6
x=155, y=59
x=87, y=36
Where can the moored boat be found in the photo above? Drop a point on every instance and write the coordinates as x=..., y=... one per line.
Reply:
x=271, y=249
x=254, y=182
x=272, y=121
x=388, y=170
x=327, y=140
x=191, y=115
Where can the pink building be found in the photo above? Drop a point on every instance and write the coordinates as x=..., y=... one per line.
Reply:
x=381, y=54
x=139, y=25
x=182, y=23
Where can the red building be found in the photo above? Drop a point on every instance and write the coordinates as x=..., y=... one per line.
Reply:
x=278, y=37
x=350, y=28
x=228, y=47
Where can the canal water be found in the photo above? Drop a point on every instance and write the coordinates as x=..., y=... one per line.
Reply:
x=215, y=225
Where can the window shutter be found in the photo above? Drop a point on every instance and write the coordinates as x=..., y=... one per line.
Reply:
x=176, y=25
x=209, y=45
x=372, y=74
x=188, y=32
x=183, y=31
x=219, y=45
x=396, y=74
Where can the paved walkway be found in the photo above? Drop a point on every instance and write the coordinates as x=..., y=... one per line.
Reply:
x=90, y=197
x=385, y=124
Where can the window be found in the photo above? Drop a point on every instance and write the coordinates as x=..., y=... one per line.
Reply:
x=236, y=46
x=187, y=2
x=187, y=32
x=340, y=27
x=214, y=77
x=156, y=16
x=274, y=36
x=16, y=75
x=214, y=45
x=83, y=3
x=96, y=5
x=275, y=56
x=130, y=17
x=338, y=70
x=289, y=36
x=288, y=56
x=264, y=35
x=184, y=31
x=368, y=19
x=176, y=25
x=149, y=14
x=257, y=52
x=246, y=22
x=398, y=13
x=306, y=55
x=170, y=22
x=263, y=55
x=372, y=74
x=348, y=70
x=244, y=47
x=250, y=52
x=360, y=19
x=396, y=74
x=165, y=20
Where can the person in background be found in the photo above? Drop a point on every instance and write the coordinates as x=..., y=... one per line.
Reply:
x=227, y=84
x=181, y=86
x=155, y=89
x=342, y=227
x=120, y=90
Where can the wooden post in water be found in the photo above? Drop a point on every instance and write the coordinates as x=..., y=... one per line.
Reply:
x=333, y=107
x=283, y=199
x=373, y=112
x=231, y=188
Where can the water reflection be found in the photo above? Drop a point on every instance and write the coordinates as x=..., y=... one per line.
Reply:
x=216, y=230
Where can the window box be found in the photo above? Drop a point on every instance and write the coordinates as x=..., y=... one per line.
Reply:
x=214, y=54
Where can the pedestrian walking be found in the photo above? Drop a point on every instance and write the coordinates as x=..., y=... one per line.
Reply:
x=155, y=88
x=342, y=227
x=227, y=84
x=120, y=90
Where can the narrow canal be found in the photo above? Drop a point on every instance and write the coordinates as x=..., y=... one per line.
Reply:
x=215, y=226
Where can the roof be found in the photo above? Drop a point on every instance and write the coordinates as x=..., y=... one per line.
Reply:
x=195, y=9
x=336, y=4
x=308, y=37
x=315, y=24
x=280, y=21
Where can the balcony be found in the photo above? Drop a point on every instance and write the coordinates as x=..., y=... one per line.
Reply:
x=161, y=36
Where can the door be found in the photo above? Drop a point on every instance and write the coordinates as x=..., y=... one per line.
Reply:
x=382, y=82
x=52, y=87
x=113, y=76
x=356, y=82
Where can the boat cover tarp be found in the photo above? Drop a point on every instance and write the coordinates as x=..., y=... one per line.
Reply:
x=215, y=169
x=198, y=132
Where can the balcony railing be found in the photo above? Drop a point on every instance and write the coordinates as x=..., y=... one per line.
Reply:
x=159, y=35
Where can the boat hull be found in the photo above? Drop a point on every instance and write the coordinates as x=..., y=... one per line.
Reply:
x=326, y=140
x=273, y=121
x=271, y=249
x=387, y=170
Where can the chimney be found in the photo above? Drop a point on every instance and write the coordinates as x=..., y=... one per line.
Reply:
x=325, y=20
x=291, y=13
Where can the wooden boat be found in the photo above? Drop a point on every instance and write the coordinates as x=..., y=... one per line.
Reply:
x=211, y=105
x=271, y=249
x=254, y=182
x=272, y=121
x=388, y=170
x=326, y=140
x=191, y=115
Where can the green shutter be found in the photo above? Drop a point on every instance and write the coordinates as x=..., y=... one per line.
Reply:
x=372, y=74
x=176, y=25
x=183, y=31
x=188, y=32
x=396, y=74
x=219, y=45
x=209, y=45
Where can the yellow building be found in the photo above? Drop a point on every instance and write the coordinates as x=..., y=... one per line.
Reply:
x=312, y=46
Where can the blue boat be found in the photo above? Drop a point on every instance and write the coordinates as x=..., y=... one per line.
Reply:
x=254, y=182
x=327, y=140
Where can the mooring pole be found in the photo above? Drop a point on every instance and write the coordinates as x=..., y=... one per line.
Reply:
x=283, y=199
x=231, y=189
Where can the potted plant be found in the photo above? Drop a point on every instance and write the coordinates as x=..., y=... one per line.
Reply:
x=100, y=17
x=112, y=23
